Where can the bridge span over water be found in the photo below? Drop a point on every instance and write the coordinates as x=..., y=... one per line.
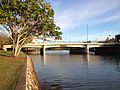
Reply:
x=46, y=45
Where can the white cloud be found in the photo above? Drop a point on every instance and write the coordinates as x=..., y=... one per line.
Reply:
x=113, y=18
x=79, y=14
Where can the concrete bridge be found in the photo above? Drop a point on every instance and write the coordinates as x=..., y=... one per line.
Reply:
x=46, y=45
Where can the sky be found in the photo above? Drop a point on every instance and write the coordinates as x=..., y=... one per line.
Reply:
x=73, y=16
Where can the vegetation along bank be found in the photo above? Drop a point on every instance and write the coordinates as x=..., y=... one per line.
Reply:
x=17, y=73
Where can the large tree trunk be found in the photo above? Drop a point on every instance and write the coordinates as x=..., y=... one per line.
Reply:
x=17, y=50
x=18, y=45
x=14, y=47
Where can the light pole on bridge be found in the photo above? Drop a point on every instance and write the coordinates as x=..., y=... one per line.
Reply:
x=86, y=27
x=87, y=32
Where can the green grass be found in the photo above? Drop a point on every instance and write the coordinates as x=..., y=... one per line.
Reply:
x=10, y=69
x=5, y=53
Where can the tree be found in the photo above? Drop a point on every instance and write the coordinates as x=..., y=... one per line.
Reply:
x=117, y=37
x=24, y=19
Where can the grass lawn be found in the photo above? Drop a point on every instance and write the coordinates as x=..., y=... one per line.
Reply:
x=10, y=69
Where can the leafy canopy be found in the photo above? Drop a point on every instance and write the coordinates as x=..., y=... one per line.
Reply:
x=35, y=17
x=24, y=19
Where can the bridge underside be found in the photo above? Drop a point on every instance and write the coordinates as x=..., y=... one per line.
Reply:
x=78, y=50
x=72, y=50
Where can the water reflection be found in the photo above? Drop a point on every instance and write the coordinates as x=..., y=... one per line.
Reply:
x=77, y=72
x=44, y=60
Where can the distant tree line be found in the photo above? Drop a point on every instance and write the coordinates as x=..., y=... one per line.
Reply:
x=4, y=39
x=114, y=39
x=117, y=37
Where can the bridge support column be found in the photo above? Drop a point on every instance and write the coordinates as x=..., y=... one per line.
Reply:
x=87, y=49
x=5, y=49
x=43, y=50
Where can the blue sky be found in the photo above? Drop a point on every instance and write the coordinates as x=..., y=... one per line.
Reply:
x=73, y=16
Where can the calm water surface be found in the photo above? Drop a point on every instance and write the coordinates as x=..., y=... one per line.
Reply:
x=61, y=71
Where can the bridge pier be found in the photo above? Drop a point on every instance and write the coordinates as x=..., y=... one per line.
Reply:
x=5, y=49
x=43, y=50
x=87, y=49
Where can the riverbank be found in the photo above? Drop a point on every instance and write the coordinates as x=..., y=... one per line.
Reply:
x=28, y=79
x=31, y=78
x=17, y=73
x=10, y=68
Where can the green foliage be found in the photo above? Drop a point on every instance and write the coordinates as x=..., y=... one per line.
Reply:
x=37, y=16
x=24, y=19
x=5, y=53
x=117, y=37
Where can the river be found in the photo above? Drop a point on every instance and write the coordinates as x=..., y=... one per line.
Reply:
x=61, y=71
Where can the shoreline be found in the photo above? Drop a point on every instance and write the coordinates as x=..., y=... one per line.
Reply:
x=31, y=78
x=28, y=78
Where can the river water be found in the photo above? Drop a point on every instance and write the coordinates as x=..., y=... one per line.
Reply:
x=61, y=71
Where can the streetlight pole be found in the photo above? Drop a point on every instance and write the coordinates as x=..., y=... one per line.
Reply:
x=87, y=33
x=69, y=37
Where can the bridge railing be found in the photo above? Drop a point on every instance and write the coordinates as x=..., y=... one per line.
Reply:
x=59, y=42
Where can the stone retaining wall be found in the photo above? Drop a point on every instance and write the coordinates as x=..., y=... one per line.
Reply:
x=31, y=79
